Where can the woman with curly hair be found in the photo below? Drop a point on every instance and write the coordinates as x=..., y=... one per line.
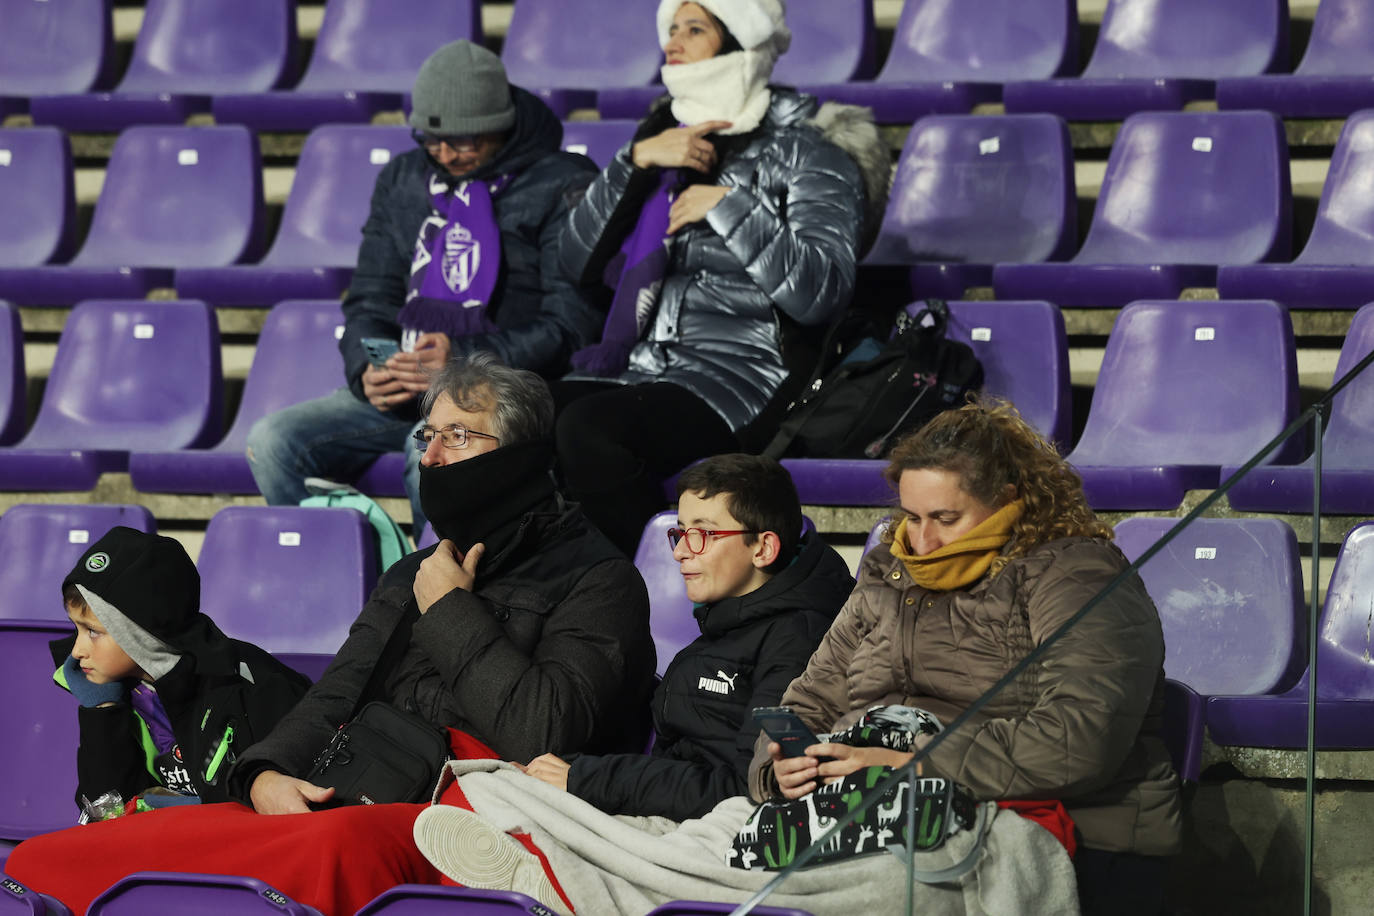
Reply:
x=995, y=546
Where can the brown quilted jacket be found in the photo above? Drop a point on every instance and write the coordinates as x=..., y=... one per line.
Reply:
x=1081, y=725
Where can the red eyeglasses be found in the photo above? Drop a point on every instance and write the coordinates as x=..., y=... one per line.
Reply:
x=698, y=538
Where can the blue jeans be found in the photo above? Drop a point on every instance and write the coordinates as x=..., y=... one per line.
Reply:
x=336, y=437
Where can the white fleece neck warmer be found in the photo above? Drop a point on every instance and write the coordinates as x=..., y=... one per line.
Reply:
x=729, y=87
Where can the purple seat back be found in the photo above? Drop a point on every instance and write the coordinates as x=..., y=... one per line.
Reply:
x=1229, y=594
x=40, y=203
x=212, y=46
x=1342, y=40
x=133, y=375
x=545, y=45
x=296, y=359
x=434, y=900
x=41, y=543
x=49, y=48
x=1183, y=38
x=982, y=40
x=379, y=45
x=670, y=612
x=428, y=537
x=194, y=895
x=178, y=197
x=1345, y=215
x=13, y=390
x=875, y=536
x=252, y=577
x=1344, y=668
x=831, y=43
x=1348, y=440
x=322, y=221
x=18, y=900
x=1025, y=355
x=1193, y=188
x=599, y=141
x=38, y=718
x=981, y=189
x=1191, y=383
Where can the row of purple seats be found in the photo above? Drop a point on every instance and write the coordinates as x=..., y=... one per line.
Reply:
x=183, y=207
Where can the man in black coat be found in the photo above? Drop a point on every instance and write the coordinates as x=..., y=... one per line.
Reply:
x=459, y=255
x=527, y=629
x=765, y=594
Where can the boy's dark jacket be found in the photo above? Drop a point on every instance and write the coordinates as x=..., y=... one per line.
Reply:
x=705, y=731
x=216, y=684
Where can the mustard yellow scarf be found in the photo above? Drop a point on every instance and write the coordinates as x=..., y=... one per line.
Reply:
x=961, y=562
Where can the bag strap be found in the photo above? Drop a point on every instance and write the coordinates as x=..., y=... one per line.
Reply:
x=391, y=653
x=960, y=868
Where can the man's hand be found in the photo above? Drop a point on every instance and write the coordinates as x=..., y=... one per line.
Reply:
x=273, y=792
x=679, y=147
x=550, y=769
x=382, y=390
x=416, y=369
x=443, y=571
x=693, y=204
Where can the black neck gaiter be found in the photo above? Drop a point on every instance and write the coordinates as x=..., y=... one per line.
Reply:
x=470, y=500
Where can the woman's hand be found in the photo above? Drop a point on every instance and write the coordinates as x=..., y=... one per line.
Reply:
x=550, y=769
x=679, y=148
x=845, y=759
x=693, y=204
x=276, y=793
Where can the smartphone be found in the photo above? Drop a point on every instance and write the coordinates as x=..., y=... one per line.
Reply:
x=785, y=727
x=380, y=349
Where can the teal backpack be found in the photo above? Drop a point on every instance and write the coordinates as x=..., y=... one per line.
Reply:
x=392, y=543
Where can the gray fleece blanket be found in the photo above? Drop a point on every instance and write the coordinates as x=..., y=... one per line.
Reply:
x=629, y=865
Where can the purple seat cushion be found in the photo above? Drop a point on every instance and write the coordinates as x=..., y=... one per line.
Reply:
x=840, y=481
x=165, y=892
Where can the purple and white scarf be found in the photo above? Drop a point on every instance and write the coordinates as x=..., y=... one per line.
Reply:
x=645, y=254
x=456, y=263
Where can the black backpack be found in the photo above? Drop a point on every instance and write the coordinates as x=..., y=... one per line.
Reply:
x=880, y=390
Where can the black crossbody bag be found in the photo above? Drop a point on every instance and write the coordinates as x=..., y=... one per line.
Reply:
x=383, y=754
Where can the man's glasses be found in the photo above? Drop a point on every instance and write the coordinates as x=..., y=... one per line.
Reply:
x=698, y=538
x=459, y=143
x=453, y=436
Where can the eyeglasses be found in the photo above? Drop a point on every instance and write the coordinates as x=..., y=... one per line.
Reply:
x=459, y=143
x=453, y=436
x=698, y=538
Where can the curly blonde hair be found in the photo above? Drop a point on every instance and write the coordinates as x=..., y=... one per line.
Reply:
x=989, y=445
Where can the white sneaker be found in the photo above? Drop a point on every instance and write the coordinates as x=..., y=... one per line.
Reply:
x=468, y=849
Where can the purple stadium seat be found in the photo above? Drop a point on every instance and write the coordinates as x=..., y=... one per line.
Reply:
x=386, y=476
x=38, y=720
x=671, y=621
x=18, y=900
x=365, y=60
x=1183, y=192
x=1229, y=593
x=1336, y=267
x=53, y=47
x=1331, y=81
x=316, y=247
x=128, y=375
x=1025, y=357
x=547, y=54
x=1156, y=55
x=971, y=191
x=1184, y=388
x=40, y=544
x=599, y=141
x=435, y=900
x=703, y=908
x=427, y=537
x=251, y=579
x=40, y=202
x=875, y=536
x=173, y=197
x=190, y=894
x=947, y=57
x=13, y=391
x=186, y=52
x=1345, y=674
x=1347, y=447
x=296, y=359
x=1182, y=729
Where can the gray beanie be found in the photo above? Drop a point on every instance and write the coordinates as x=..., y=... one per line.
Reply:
x=462, y=89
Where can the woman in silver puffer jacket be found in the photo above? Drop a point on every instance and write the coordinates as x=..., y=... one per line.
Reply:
x=735, y=218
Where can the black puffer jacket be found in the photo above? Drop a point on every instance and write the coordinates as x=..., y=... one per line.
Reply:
x=749, y=650
x=551, y=651
x=542, y=317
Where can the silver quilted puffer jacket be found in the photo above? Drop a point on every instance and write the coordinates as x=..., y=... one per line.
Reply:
x=785, y=238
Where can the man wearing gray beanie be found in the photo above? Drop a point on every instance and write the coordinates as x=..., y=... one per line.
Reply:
x=459, y=254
